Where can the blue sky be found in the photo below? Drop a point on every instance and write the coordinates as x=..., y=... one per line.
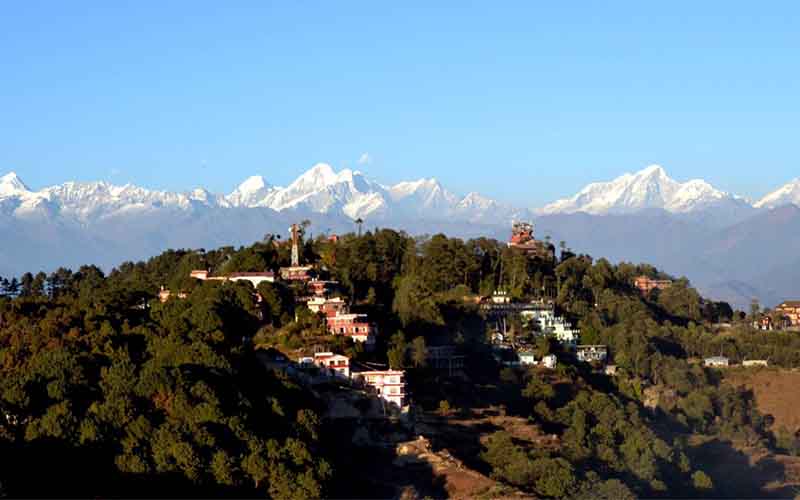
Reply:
x=522, y=101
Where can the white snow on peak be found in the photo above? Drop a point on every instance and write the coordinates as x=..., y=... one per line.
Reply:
x=11, y=184
x=646, y=189
x=788, y=193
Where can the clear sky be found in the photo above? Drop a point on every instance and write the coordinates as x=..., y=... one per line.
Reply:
x=523, y=101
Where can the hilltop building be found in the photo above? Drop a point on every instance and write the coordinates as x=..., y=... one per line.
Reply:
x=790, y=310
x=522, y=239
x=647, y=285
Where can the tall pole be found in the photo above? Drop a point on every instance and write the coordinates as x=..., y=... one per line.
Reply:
x=295, y=246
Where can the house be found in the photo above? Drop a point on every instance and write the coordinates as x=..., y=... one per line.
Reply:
x=790, y=310
x=297, y=273
x=764, y=323
x=548, y=322
x=165, y=294
x=328, y=307
x=527, y=358
x=646, y=284
x=500, y=297
x=591, y=353
x=755, y=362
x=321, y=288
x=549, y=361
x=356, y=326
x=388, y=384
x=335, y=365
x=716, y=361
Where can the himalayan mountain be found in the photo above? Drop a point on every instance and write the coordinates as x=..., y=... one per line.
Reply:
x=731, y=248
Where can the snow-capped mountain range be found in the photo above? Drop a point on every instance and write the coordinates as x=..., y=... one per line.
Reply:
x=349, y=193
x=721, y=241
x=650, y=188
x=320, y=190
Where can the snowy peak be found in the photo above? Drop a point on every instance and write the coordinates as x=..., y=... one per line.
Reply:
x=11, y=184
x=789, y=193
x=318, y=177
x=250, y=193
x=650, y=188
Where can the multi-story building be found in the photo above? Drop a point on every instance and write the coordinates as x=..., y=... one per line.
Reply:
x=297, y=273
x=321, y=288
x=647, y=285
x=328, y=307
x=333, y=364
x=549, y=323
x=790, y=310
x=355, y=326
x=388, y=384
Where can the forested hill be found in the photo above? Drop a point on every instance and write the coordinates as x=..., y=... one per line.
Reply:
x=106, y=391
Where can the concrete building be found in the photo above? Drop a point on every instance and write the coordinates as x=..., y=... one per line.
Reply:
x=549, y=361
x=591, y=353
x=297, y=273
x=355, y=326
x=716, y=361
x=548, y=323
x=388, y=384
x=328, y=307
x=790, y=310
x=334, y=364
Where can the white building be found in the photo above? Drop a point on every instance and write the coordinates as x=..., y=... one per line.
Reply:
x=335, y=364
x=388, y=384
x=717, y=361
x=591, y=353
x=526, y=358
x=548, y=323
x=755, y=362
x=329, y=307
x=549, y=361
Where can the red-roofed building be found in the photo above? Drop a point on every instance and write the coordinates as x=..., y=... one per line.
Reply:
x=335, y=364
x=647, y=285
x=355, y=326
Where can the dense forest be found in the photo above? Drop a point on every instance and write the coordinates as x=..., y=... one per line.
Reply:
x=106, y=391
